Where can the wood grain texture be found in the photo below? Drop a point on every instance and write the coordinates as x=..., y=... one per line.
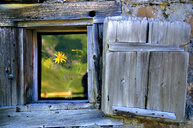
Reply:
x=28, y=65
x=8, y=66
x=165, y=32
x=77, y=10
x=125, y=82
x=35, y=68
x=143, y=112
x=125, y=29
x=91, y=95
x=57, y=118
x=167, y=82
x=94, y=56
x=20, y=57
x=128, y=47
x=145, y=75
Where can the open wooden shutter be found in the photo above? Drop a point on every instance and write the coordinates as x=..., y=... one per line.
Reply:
x=145, y=67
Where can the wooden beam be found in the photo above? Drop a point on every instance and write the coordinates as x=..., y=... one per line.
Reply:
x=143, y=112
x=42, y=12
x=20, y=1
x=128, y=47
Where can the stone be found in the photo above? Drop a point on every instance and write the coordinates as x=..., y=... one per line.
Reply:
x=189, y=19
x=178, y=12
x=146, y=12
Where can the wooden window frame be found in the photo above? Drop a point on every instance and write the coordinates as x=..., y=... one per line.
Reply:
x=92, y=41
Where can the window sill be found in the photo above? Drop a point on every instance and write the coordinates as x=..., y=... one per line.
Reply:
x=56, y=118
x=50, y=106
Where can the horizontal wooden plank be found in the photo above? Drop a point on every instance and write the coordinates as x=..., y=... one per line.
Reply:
x=57, y=118
x=40, y=12
x=128, y=47
x=20, y=1
x=55, y=23
x=53, y=106
x=143, y=112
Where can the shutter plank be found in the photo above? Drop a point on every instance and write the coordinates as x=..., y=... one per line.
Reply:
x=165, y=32
x=132, y=30
x=143, y=112
x=125, y=82
x=167, y=82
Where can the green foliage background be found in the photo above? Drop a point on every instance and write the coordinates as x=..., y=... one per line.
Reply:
x=68, y=75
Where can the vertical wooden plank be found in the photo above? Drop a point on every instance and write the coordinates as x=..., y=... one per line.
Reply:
x=20, y=86
x=109, y=35
x=132, y=30
x=8, y=72
x=93, y=62
x=100, y=62
x=28, y=65
x=167, y=82
x=2, y=66
x=90, y=66
x=124, y=73
x=126, y=79
x=8, y=65
x=165, y=32
x=35, y=67
x=13, y=75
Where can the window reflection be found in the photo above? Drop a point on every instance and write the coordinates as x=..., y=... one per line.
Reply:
x=64, y=66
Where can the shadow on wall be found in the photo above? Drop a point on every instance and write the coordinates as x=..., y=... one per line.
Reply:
x=189, y=97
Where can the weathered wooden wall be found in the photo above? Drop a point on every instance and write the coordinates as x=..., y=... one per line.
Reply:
x=140, y=74
x=16, y=66
x=11, y=14
x=28, y=65
x=8, y=66
x=54, y=17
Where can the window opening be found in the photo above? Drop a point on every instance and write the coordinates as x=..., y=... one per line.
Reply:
x=62, y=66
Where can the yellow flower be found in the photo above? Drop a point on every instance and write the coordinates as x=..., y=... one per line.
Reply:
x=60, y=57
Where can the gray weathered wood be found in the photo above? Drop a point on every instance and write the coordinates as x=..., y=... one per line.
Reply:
x=125, y=29
x=157, y=69
x=91, y=92
x=20, y=87
x=165, y=32
x=20, y=1
x=93, y=62
x=127, y=47
x=125, y=79
x=167, y=82
x=35, y=68
x=132, y=30
x=8, y=66
x=77, y=10
x=55, y=23
x=53, y=106
x=57, y=118
x=28, y=65
x=143, y=112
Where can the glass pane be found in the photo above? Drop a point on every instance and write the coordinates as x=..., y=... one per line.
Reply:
x=64, y=66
